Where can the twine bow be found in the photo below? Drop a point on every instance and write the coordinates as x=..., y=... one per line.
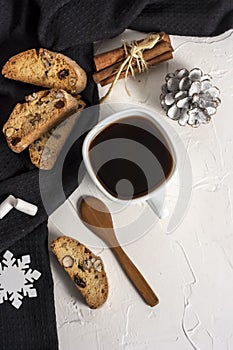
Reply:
x=134, y=53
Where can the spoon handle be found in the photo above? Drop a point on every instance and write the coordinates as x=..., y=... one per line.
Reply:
x=136, y=277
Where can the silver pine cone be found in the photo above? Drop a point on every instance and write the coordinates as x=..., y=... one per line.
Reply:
x=189, y=97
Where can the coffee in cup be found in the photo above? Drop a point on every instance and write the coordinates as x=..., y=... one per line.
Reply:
x=130, y=157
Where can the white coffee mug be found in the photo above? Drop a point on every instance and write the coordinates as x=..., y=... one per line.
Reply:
x=154, y=198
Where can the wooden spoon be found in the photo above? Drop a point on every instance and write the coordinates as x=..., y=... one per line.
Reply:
x=97, y=217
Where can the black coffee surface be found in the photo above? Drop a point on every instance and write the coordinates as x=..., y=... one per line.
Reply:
x=130, y=157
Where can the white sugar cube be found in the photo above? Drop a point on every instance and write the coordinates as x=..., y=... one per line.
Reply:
x=25, y=207
x=7, y=205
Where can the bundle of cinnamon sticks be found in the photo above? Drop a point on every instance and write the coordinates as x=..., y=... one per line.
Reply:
x=107, y=64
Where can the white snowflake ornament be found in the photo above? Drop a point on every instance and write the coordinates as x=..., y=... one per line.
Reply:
x=16, y=279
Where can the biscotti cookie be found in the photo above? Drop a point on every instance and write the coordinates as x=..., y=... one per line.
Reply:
x=40, y=113
x=84, y=268
x=47, y=69
x=45, y=150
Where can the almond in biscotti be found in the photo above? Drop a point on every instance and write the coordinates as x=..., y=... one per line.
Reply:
x=46, y=68
x=40, y=113
x=84, y=268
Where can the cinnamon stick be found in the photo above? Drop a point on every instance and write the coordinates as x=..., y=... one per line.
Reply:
x=161, y=58
x=106, y=59
x=158, y=50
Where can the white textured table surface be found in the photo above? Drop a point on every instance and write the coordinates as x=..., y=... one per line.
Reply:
x=191, y=269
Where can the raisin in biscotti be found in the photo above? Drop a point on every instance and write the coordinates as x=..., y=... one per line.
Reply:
x=46, y=68
x=84, y=268
x=40, y=113
x=45, y=150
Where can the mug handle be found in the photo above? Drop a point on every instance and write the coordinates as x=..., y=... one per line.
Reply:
x=157, y=205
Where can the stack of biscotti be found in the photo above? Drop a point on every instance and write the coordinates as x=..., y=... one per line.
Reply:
x=33, y=122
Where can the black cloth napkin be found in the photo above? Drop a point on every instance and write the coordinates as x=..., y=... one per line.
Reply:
x=68, y=26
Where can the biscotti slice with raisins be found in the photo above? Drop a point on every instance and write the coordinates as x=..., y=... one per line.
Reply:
x=47, y=69
x=40, y=113
x=45, y=150
x=84, y=268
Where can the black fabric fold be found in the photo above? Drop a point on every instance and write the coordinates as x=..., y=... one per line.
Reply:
x=98, y=20
x=191, y=18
